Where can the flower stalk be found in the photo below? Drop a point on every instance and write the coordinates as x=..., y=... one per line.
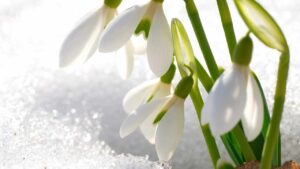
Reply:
x=201, y=37
x=274, y=128
x=227, y=25
x=180, y=36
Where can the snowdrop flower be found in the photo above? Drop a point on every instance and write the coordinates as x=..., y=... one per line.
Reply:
x=149, y=17
x=148, y=91
x=163, y=120
x=83, y=41
x=235, y=96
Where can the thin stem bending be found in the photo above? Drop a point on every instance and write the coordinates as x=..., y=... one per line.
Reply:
x=274, y=128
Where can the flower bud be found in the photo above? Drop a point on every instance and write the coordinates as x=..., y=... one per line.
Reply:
x=184, y=87
x=243, y=51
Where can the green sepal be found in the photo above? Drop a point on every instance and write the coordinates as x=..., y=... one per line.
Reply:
x=243, y=51
x=169, y=75
x=143, y=27
x=221, y=164
x=112, y=3
x=261, y=24
x=184, y=87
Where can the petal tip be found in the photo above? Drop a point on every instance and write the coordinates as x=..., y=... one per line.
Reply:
x=123, y=133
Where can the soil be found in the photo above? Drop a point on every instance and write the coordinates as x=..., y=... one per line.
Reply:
x=255, y=165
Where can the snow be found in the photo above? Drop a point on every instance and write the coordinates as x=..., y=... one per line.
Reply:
x=70, y=118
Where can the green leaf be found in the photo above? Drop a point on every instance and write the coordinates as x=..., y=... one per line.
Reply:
x=233, y=148
x=277, y=154
x=260, y=22
x=257, y=146
x=203, y=76
x=182, y=45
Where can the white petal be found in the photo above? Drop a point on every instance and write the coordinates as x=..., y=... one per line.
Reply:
x=136, y=118
x=148, y=128
x=169, y=131
x=126, y=60
x=159, y=46
x=138, y=95
x=119, y=31
x=252, y=118
x=163, y=90
x=83, y=41
x=225, y=103
x=140, y=45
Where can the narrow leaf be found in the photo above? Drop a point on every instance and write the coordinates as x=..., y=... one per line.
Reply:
x=277, y=153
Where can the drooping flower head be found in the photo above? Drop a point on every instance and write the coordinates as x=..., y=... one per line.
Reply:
x=150, y=18
x=149, y=90
x=84, y=39
x=235, y=96
x=161, y=120
x=145, y=93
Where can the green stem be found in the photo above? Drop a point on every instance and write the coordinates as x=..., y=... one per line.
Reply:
x=274, y=128
x=201, y=37
x=180, y=39
x=227, y=25
x=204, y=78
x=244, y=145
x=209, y=138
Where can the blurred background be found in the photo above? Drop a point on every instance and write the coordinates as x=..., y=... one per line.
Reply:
x=69, y=118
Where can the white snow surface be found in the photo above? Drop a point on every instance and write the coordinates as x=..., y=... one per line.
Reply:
x=52, y=118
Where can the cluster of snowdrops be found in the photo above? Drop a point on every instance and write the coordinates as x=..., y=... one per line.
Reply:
x=235, y=109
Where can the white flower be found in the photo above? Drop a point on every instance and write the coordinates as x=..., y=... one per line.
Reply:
x=83, y=41
x=234, y=97
x=167, y=133
x=150, y=90
x=159, y=46
x=161, y=120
